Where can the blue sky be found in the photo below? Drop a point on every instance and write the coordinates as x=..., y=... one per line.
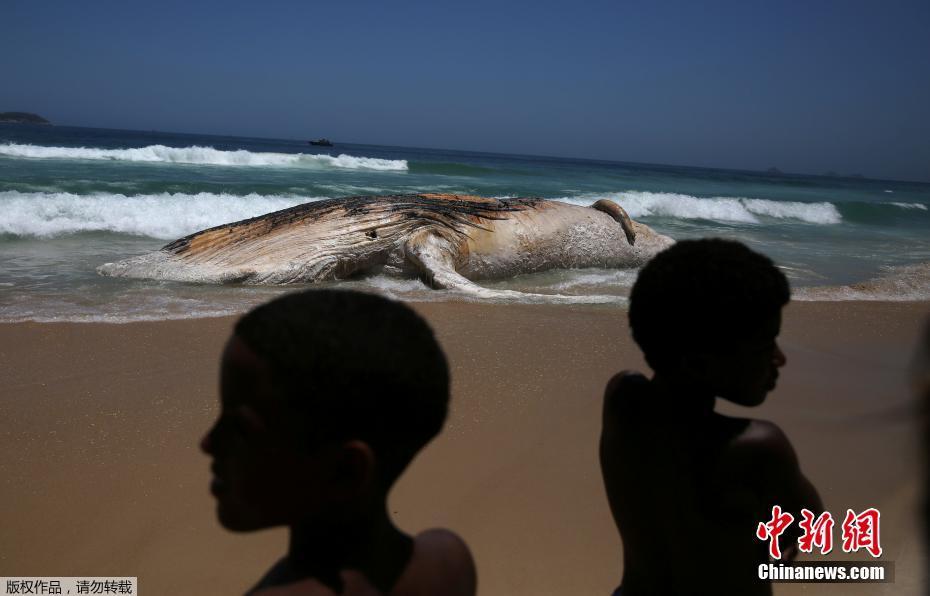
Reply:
x=805, y=86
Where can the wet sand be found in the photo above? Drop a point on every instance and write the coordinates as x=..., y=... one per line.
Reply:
x=100, y=473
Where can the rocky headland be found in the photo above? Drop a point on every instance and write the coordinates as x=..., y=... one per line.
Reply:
x=22, y=118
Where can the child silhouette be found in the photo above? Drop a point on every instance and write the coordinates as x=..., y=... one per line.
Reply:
x=326, y=396
x=688, y=486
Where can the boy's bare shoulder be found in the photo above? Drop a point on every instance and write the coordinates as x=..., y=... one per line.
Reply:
x=765, y=458
x=758, y=452
x=626, y=381
x=444, y=546
x=763, y=442
x=441, y=564
x=624, y=390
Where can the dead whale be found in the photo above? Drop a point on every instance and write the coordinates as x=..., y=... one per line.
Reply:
x=448, y=241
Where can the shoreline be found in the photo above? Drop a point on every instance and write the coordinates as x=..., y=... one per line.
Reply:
x=100, y=473
x=619, y=305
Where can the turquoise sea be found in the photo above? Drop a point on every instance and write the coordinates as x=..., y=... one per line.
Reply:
x=74, y=198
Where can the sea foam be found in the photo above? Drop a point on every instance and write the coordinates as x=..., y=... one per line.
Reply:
x=204, y=156
x=172, y=215
x=894, y=284
x=919, y=206
x=725, y=209
x=165, y=216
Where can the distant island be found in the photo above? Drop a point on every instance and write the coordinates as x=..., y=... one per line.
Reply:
x=22, y=118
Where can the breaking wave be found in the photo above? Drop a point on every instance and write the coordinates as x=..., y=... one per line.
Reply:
x=919, y=206
x=724, y=209
x=204, y=156
x=165, y=216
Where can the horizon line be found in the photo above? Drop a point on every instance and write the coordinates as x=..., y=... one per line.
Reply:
x=777, y=173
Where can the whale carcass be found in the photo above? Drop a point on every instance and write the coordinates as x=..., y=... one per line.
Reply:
x=446, y=240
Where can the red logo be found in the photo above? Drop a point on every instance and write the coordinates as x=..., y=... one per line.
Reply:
x=774, y=528
x=859, y=531
x=817, y=533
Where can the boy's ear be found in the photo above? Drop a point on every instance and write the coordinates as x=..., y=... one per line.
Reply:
x=353, y=469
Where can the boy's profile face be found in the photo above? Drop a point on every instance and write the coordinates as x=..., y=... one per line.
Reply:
x=748, y=371
x=261, y=476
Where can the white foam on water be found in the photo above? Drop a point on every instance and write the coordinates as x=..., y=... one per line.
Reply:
x=204, y=156
x=116, y=317
x=608, y=277
x=165, y=215
x=919, y=206
x=515, y=297
x=413, y=290
x=724, y=209
x=901, y=283
x=129, y=309
x=396, y=286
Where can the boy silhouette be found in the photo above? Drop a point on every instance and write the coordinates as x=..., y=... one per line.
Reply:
x=688, y=486
x=326, y=396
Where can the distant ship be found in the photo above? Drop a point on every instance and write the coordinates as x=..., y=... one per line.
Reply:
x=321, y=143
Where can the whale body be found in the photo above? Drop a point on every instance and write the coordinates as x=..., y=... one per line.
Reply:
x=448, y=241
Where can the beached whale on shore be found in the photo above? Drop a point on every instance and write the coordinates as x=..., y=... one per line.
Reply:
x=446, y=240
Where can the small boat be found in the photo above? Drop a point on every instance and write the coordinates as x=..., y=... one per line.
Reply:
x=321, y=143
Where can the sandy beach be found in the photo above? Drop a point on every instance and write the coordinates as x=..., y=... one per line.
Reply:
x=101, y=474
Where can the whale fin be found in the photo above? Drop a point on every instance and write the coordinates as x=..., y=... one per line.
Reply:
x=433, y=256
x=620, y=216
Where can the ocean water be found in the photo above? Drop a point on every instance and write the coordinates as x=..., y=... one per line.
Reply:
x=72, y=199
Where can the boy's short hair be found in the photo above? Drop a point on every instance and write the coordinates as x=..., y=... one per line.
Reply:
x=703, y=294
x=354, y=366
